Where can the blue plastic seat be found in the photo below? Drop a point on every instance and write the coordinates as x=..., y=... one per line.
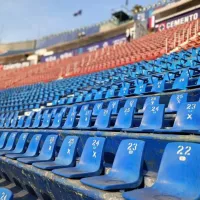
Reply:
x=58, y=118
x=66, y=156
x=13, y=121
x=98, y=95
x=20, y=121
x=28, y=119
x=3, y=139
x=152, y=119
x=47, y=152
x=20, y=146
x=150, y=101
x=124, y=118
x=85, y=119
x=130, y=103
x=196, y=85
x=10, y=142
x=83, y=109
x=124, y=90
x=114, y=106
x=6, y=194
x=139, y=89
x=36, y=122
x=177, y=177
x=9, y=120
x=157, y=87
x=110, y=93
x=175, y=101
x=187, y=119
x=88, y=97
x=126, y=171
x=103, y=119
x=91, y=160
x=70, y=121
x=97, y=108
x=32, y=149
x=46, y=120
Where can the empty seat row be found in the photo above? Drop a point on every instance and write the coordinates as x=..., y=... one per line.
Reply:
x=124, y=175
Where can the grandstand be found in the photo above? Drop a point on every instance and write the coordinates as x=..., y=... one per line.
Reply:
x=117, y=122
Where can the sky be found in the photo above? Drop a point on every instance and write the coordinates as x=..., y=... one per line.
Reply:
x=22, y=20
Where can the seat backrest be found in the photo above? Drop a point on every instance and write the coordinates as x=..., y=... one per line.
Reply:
x=131, y=152
x=110, y=93
x=68, y=150
x=21, y=142
x=159, y=86
x=188, y=116
x=46, y=120
x=153, y=117
x=98, y=95
x=49, y=146
x=97, y=107
x=179, y=168
x=53, y=112
x=85, y=119
x=88, y=97
x=175, y=101
x=73, y=109
x=114, y=106
x=83, y=109
x=29, y=119
x=93, y=154
x=103, y=119
x=125, y=118
x=124, y=90
x=34, y=145
x=180, y=82
x=37, y=119
x=141, y=88
x=151, y=101
x=3, y=138
x=20, y=121
x=6, y=194
x=11, y=141
x=130, y=103
x=70, y=120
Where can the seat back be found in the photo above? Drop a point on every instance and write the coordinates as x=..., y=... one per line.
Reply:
x=128, y=162
x=46, y=120
x=125, y=118
x=130, y=103
x=37, y=119
x=179, y=168
x=49, y=146
x=29, y=119
x=67, y=153
x=83, y=109
x=153, y=117
x=110, y=93
x=97, y=107
x=34, y=145
x=85, y=119
x=175, y=101
x=141, y=88
x=11, y=141
x=188, y=116
x=151, y=101
x=114, y=106
x=20, y=121
x=180, y=83
x=98, y=95
x=124, y=90
x=103, y=119
x=6, y=194
x=21, y=142
x=93, y=154
x=70, y=120
x=158, y=86
x=3, y=138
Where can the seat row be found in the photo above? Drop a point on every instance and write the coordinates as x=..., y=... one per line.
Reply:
x=124, y=175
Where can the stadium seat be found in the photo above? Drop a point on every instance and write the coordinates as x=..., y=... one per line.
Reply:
x=103, y=119
x=130, y=103
x=70, y=121
x=152, y=119
x=175, y=101
x=97, y=107
x=91, y=160
x=10, y=143
x=125, y=118
x=126, y=171
x=114, y=106
x=28, y=120
x=20, y=121
x=32, y=149
x=46, y=121
x=85, y=119
x=6, y=194
x=58, y=119
x=66, y=156
x=187, y=119
x=177, y=176
x=3, y=139
x=20, y=146
x=36, y=122
x=47, y=152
